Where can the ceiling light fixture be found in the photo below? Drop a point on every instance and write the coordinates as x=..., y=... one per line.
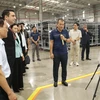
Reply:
x=83, y=11
x=62, y=17
x=53, y=1
x=67, y=1
x=88, y=4
x=14, y=6
x=20, y=4
x=67, y=9
x=65, y=15
x=37, y=7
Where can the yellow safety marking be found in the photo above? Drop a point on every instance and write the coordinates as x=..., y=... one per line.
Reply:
x=37, y=91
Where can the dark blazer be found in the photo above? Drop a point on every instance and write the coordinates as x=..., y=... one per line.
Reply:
x=10, y=48
x=85, y=37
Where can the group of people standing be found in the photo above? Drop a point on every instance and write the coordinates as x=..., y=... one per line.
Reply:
x=59, y=51
x=14, y=46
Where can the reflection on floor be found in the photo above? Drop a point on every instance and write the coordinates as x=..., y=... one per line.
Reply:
x=40, y=74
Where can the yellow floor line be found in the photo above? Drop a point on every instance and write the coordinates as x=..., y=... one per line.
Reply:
x=37, y=91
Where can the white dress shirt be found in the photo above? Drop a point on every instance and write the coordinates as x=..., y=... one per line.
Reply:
x=7, y=24
x=75, y=34
x=23, y=40
x=3, y=60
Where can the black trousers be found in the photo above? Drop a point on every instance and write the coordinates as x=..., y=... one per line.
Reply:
x=17, y=81
x=3, y=94
x=87, y=47
x=23, y=64
x=56, y=61
x=11, y=61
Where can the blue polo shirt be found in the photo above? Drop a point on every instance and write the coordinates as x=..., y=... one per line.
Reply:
x=58, y=48
x=35, y=36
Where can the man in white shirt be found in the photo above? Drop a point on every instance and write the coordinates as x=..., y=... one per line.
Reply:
x=75, y=35
x=5, y=92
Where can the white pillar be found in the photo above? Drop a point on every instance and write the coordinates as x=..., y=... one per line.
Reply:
x=40, y=19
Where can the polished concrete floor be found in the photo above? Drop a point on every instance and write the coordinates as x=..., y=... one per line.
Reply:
x=40, y=74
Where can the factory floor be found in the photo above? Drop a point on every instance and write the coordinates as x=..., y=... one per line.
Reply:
x=38, y=81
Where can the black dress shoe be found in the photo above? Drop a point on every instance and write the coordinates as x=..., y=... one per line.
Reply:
x=26, y=67
x=55, y=84
x=33, y=60
x=39, y=59
x=21, y=89
x=16, y=91
x=64, y=83
x=88, y=59
x=82, y=59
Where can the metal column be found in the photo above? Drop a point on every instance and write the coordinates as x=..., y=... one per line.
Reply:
x=40, y=19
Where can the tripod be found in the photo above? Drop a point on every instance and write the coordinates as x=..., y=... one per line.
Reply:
x=97, y=82
x=92, y=76
x=94, y=95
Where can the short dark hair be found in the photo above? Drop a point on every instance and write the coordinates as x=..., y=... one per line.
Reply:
x=22, y=23
x=11, y=26
x=18, y=24
x=77, y=24
x=59, y=20
x=1, y=22
x=6, y=12
x=33, y=27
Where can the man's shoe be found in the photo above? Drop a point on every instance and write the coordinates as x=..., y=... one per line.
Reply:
x=71, y=64
x=64, y=83
x=21, y=89
x=26, y=67
x=82, y=59
x=88, y=59
x=39, y=59
x=55, y=84
x=77, y=64
x=33, y=60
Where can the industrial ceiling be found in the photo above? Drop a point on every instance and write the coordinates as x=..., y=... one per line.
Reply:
x=53, y=6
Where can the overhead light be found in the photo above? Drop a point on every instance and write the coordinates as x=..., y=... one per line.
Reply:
x=35, y=13
x=32, y=7
x=46, y=0
x=62, y=17
x=88, y=4
x=26, y=16
x=65, y=15
x=67, y=9
x=53, y=1
x=20, y=4
x=67, y=1
x=83, y=11
x=37, y=7
x=14, y=6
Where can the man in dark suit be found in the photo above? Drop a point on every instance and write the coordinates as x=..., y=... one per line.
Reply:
x=85, y=41
x=9, y=17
